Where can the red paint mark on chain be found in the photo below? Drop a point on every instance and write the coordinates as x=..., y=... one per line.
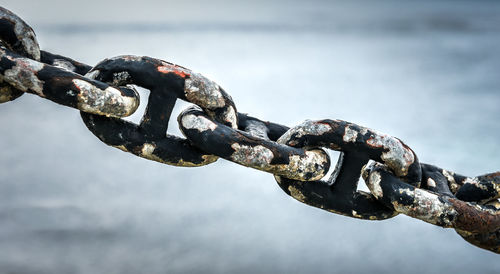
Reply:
x=173, y=69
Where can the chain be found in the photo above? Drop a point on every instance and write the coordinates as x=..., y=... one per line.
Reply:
x=213, y=128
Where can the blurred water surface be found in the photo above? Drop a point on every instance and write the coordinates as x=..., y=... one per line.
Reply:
x=426, y=72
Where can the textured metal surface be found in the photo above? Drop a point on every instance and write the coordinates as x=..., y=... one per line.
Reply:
x=252, y=148
x=398, y=182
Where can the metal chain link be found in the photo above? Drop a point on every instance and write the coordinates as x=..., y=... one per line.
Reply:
x=213, y=128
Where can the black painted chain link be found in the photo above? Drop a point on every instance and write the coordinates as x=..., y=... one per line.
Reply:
x=213, y=128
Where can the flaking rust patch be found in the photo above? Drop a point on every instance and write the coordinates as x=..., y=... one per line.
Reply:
x=314, y=164
x=373, y=184
x=350, y=135
x=427, y=207
x=397, y=156
x=258, y=156
x=307, y=127
x=203, y=92
x=257, y=129
x=23, y=33
x=108, y=102
x=199, y=123
x=23, y=75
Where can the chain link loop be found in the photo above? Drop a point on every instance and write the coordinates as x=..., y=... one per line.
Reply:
x=398, y=182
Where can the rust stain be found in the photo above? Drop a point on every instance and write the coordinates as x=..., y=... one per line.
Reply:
x=473, y=219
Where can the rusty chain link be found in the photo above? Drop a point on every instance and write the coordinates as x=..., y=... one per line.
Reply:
x=213, y=128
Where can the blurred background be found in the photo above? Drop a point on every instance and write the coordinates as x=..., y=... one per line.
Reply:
x=424, y=71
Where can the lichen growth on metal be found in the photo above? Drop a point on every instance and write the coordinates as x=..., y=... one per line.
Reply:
x=472, y=207
x=120, y=78
x=203, y=92
x=373, y=184
x=23, y=75
x=108, y=102
x=230, y=117
x=350, y=135
x=258, y=157
x=308, y=167
x=427, y=207
x=24, y=33
x=312, y=167
x=257, y=129
x=307, y=127
x=396, y=155
x=198, y=123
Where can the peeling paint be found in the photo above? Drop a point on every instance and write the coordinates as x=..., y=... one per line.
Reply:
x=199, y=123
x=397, y=156
x=307, y=127
x=373, y=184
x=257, y=156
x=23, y=76
x=314, y=164
x=257, y=129
x=230, y=117
x=108, y=102
x=23, y=32
x=429, y=208
x=350, y=135
x=203, y=92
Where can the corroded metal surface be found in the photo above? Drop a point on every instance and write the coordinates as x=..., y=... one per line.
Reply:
x=167, y=82
x=480, y=223
x=18, y=37
x=252, y=149
x=344, y=136
x=398, y=182
x=65, y=87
